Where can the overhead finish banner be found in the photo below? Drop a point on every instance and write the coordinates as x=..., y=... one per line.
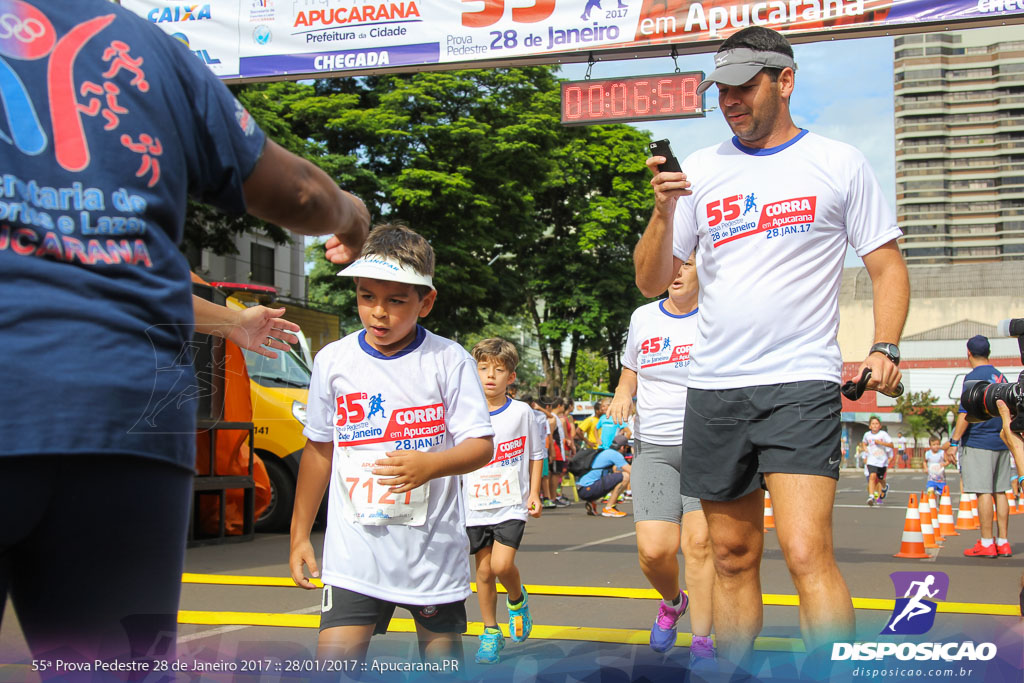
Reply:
x=294, y=38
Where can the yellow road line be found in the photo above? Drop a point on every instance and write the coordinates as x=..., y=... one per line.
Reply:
x=776, y=600
x=540, y=632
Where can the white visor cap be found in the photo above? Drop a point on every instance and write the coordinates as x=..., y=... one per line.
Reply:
x=381, y=268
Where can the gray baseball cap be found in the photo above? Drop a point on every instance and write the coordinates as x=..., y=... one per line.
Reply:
x=737, y=66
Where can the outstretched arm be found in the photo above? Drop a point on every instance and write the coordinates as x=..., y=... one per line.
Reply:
x=292, y=192
x=258, y=328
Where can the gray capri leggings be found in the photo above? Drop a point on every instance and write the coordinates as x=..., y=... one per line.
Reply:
x=654, y=480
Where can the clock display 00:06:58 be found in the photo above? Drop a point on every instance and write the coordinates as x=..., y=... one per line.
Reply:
x=632, y=98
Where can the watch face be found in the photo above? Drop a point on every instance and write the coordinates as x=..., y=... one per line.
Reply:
x=890, y=350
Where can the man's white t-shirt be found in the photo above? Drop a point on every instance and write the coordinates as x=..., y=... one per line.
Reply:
x=517, y=442
x=427, y=397
x=658, y=348
x=878, y=456
x=771, y=228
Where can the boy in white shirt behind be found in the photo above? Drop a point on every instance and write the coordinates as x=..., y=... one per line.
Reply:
x=500, y=496
x=395, y=414
x=935, y=461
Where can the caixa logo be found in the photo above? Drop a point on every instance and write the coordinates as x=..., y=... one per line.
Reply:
x=177, y=13
x=914, y=614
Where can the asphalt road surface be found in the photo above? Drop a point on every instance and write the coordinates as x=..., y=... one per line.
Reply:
x=577, y=637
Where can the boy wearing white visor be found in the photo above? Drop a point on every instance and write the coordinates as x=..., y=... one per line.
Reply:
x=395, y=414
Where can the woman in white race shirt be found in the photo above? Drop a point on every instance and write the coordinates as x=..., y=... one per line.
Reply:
x=655, y=367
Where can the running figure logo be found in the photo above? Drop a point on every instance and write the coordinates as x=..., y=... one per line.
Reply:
x=376, y=406
x=750, y=204
x=665, y=344
x=914, y=613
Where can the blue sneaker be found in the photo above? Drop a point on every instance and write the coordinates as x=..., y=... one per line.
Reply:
x=885, y=490
x=520, y=623
x=663, y=633
x=491, y=644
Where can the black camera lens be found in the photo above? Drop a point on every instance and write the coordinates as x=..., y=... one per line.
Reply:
x=979, y=399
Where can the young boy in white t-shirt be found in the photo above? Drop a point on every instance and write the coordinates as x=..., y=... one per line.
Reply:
x=879, y=447
x=395, y=415
x=935, y=461
x=500, y=496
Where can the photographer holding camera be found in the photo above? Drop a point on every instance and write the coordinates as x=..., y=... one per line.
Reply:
x=1015, y=442
x=985, y=462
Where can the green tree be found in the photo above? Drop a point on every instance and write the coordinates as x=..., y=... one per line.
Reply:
x=920, y=411
x=591, y=375
x=526, y=217
x=578, y=278
x=457, y=156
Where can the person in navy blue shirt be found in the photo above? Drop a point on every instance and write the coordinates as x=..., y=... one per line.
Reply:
x=109, y=126
x=984, y=459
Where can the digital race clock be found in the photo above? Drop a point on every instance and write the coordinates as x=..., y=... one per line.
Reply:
x=632, y=98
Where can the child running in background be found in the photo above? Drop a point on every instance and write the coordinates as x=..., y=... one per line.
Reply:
x=935, y=461
x=395, y=414
x=878, y=445
x=500, y=496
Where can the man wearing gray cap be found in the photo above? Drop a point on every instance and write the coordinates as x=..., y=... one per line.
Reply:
x=984, y=459
x=770, y=213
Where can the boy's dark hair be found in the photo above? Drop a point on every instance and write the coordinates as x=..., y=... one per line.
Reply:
x=497, y=349
x=400, y=243
x=874, y=417
x=762, y=39
x=935, y=439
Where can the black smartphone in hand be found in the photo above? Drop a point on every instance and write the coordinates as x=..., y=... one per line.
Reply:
x=661, y=148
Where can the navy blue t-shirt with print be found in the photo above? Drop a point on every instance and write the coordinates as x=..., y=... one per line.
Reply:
x=984, y=434
x=108, y=125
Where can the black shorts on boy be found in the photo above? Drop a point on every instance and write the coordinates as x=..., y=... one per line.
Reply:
x=508, y=533
x=342, y=607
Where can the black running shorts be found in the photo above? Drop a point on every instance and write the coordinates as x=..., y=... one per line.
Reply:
x=732, y=437
x=509, y=533
x=342, y=607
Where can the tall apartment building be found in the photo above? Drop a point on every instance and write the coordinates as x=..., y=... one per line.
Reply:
x=960, y=145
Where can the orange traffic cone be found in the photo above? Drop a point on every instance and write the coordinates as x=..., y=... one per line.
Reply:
x=965, y=515
x=933, y=507
x=912, y=544
x=769, y=513
x=926, y=524
x=1012, y=503
x=946, y=525
x=974, y=511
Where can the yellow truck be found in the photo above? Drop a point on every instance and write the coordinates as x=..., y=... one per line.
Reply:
x=279, y=392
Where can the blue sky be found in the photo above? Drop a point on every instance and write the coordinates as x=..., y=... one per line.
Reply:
x=843, y=91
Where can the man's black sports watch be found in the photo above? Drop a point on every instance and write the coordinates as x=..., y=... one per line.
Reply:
x=890, y=351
